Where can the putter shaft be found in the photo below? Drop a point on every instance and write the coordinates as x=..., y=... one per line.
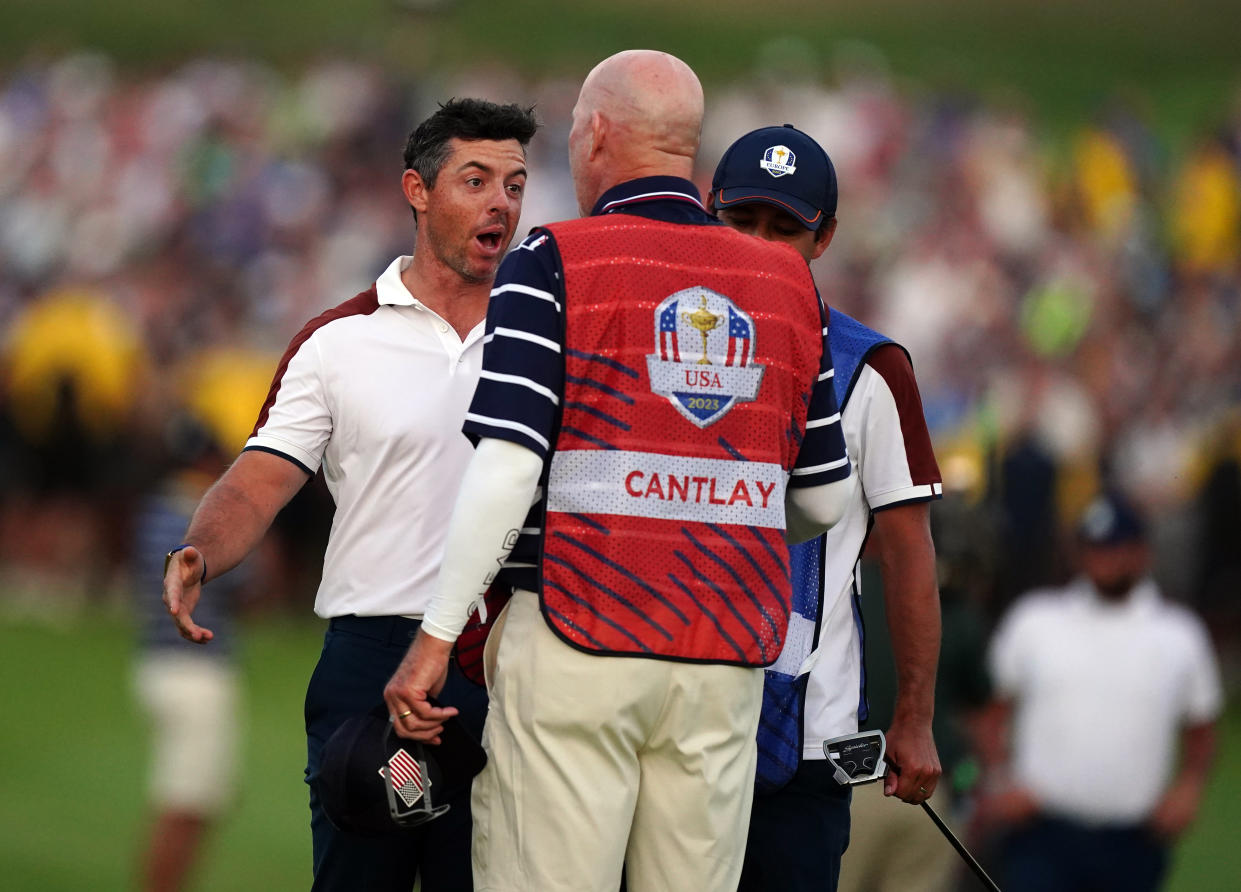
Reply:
x=961, y=849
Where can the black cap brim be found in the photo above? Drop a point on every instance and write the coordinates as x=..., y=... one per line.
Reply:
x=352, y=791
x=809, y=216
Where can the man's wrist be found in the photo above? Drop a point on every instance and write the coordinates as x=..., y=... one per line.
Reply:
x=913, y=714
x=182, y=547
x=437, y=633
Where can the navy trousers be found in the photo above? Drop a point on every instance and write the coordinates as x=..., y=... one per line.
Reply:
x=1056, y=855
x=359, y=656
x=798, y=834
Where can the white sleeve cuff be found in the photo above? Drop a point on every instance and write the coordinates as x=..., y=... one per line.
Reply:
x=905, y=495
x=437, y=631
x=268, y=443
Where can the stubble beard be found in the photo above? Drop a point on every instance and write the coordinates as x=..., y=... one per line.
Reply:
x=456, y=258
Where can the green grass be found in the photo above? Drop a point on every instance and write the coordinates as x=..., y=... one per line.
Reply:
x=1059, y=57
x=72, y=753
x=72, y=761
x=1208, y=858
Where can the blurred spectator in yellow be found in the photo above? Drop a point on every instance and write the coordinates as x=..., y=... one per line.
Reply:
x=73, y=363
x=1099, y=684
x=1206, y=211
x=225, y=387
x=1106, y=183
x=72, y=351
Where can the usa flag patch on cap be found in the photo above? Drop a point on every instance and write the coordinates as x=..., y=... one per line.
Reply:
x=406, y=777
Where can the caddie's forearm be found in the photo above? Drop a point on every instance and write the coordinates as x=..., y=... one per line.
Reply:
x=911, y=595
x=496, y=493
x=235, y=513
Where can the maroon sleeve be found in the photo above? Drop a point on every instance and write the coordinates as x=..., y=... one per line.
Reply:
x=892, y=364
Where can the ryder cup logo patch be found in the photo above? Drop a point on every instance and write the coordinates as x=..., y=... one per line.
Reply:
x=779, y=160
x=704, y=355
x=406, y=777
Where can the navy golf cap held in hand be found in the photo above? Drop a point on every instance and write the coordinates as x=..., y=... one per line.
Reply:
x=372, y=782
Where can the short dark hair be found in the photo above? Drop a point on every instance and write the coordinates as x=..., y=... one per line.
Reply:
x=426, y=150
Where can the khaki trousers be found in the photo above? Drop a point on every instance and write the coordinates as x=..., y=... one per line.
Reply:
x=894, y=846
x=596, y=762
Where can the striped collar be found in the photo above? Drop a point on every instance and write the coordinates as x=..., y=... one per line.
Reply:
x=645, y=190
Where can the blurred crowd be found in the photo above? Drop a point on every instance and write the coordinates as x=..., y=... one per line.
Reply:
x=1072, y=307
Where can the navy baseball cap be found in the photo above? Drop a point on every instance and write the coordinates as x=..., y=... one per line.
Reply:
x=372, y=783
x=780, y=166
x=1111, y=520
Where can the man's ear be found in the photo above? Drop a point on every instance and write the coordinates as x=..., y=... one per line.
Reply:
x=599, y=132
x=711, y=203
x=415, y=190
x=823, y=237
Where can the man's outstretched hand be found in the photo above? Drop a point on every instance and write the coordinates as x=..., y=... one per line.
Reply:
x=182, y=589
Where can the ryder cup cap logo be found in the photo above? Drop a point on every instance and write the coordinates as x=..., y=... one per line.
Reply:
x=704, y=355
x=779, y=160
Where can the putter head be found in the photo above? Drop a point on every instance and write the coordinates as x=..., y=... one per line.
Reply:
x=857, y=758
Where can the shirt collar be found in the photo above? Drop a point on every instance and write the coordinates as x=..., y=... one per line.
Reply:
x=389, y=288
x=647, y=189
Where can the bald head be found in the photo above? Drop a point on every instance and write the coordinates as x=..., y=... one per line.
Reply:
x=639, y=114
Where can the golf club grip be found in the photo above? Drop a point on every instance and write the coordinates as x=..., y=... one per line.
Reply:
x=961, y=849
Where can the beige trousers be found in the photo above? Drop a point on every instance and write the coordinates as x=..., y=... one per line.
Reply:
x=894, y=846
x=596, y=762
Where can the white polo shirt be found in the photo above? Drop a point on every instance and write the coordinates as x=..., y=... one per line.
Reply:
x=891, y=453
x=375, y=390
x=1100, y=692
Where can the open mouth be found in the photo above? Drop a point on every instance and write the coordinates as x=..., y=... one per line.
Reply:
x=490, y=239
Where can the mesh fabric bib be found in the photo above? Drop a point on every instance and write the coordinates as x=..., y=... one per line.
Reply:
x=690, y=352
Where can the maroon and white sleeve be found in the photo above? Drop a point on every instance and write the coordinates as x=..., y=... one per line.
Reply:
x=296, y=419
x=295, y=422
x=897, y=462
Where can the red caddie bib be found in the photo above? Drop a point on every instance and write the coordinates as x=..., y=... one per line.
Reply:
x=690, y=354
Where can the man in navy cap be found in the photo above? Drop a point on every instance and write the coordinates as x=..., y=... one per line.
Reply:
x=777, y=183
x=1103, y=681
